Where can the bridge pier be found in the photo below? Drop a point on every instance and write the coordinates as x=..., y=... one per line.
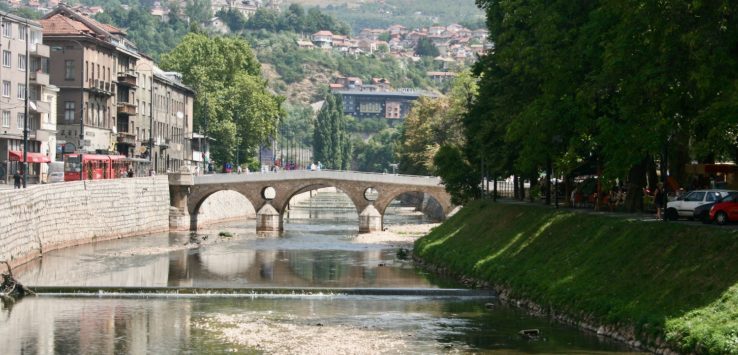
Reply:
x=268, y=219
x=370, y=220
x=180, y=185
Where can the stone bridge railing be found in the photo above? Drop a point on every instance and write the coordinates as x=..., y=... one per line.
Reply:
x=270, y=193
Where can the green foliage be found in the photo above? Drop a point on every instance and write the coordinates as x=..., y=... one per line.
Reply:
x=425, y=47
x=410, y=13
x=667, y=280
x=434, y=122
x=605, y=83
x=454, y=169
x=234, y=106
x=199, y=10
x=295, y=19
x=233, y=18
x=378, y=152
x=150, y=35
x=331, y=144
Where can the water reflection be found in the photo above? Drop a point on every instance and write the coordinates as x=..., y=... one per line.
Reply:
x=47, y=325
x=311, y=253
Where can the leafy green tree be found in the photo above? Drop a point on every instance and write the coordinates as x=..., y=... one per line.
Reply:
x=233, y=104
x=331, y=142
x=199, y=10
x=376, y=154
x=434, y=122
x=425, y=47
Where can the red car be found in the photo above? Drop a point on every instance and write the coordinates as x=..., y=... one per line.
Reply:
x=726, y=210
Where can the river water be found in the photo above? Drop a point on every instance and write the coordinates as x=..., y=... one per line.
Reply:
x=317, y=250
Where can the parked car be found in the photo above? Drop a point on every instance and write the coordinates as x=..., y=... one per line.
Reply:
x=684, y=206
x=702, y=212
x=56, y=172
x=725, y=211
x=56, y=176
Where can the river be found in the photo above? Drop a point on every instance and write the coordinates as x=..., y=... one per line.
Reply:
x=318, y=251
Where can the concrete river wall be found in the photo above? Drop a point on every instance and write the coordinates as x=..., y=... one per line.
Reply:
x=47, y=217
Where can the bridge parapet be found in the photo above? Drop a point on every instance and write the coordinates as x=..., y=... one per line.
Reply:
x=322, y=174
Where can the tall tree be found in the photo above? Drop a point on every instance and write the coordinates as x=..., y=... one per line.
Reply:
x=331, y=141
x=233, y=104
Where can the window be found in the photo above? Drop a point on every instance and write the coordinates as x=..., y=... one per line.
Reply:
x=22, y=32
x=6, y=118
x=6, y=88
x=69, y=70
x=22, y=62
x=7, y=60
x=695, y=196
x=7, y=29
x=20, y=120
x=21, y=91
x=69, y=111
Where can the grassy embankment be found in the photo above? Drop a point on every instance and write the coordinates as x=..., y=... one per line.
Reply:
x=667, y=280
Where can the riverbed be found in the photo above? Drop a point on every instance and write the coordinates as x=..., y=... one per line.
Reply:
x=318, y=249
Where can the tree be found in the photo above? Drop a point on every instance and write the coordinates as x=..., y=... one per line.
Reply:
x=233, y=104
x=331, y=143
x=434, y=122
x=199, y=10
x=425, y=47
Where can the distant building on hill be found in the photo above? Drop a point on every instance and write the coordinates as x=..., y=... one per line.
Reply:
x=375, y=100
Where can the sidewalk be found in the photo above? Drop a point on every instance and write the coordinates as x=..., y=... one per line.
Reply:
x=644, y=217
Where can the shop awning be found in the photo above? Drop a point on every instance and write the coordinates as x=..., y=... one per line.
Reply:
x=17, y=155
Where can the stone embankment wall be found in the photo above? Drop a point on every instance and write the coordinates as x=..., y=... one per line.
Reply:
x=46, y=217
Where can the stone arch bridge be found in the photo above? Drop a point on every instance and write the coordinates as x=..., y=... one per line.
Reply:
x=270, y=194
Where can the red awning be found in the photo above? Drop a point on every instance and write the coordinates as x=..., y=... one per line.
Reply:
x=17, y=155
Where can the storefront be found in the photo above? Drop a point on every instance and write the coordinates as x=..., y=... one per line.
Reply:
x=35, y=160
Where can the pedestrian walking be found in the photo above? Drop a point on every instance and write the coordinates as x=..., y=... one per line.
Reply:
x=17, y=178
x=658, y=199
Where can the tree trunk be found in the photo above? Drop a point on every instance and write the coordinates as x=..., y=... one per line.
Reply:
x=636, y=182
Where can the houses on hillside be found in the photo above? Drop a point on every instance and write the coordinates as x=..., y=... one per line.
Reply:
x=88, y=90
x=457, y=45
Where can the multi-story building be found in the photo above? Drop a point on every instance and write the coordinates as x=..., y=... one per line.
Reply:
x=25, y=71
x=173, y=103
x=94, y=68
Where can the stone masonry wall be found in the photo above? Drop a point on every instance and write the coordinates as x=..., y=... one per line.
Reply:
x=46, y=217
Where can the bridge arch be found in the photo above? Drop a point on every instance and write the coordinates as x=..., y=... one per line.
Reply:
x=197, y=203
x=385, y=206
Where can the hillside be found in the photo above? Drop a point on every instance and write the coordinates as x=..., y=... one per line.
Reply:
x=409, y=13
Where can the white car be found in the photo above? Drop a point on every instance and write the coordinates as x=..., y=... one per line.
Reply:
x=684, y=206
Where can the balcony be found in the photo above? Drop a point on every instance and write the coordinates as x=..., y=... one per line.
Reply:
x=39, y=77
x=127, y=78
x=39, y=50
x=101, y=87
x=125, y=108
x=126, y=138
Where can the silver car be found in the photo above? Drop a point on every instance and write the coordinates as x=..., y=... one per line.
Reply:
x=55, y=176
x=684, y=206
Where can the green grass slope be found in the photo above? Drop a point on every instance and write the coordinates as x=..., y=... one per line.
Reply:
x=668, y=280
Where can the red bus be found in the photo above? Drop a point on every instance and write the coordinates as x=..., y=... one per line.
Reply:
x=94, y=167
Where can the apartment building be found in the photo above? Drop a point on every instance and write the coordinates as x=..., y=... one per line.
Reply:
x=94, y=68
x=25, y=71
x=173, y=104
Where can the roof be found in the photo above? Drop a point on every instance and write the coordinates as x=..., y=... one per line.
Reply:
x=396, y=94
x=65, y=21
x=323, y=33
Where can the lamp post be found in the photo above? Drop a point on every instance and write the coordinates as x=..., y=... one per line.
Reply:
x=25, y=112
